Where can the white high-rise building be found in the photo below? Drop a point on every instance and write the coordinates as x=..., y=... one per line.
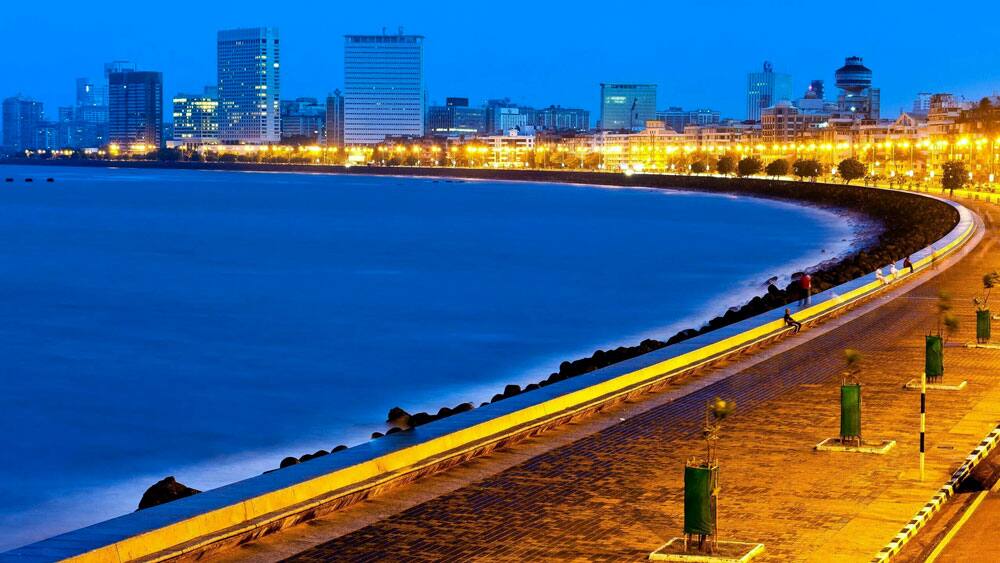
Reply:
x=249, y=86
x=383, y=87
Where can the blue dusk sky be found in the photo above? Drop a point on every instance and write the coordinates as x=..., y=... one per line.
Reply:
x=536, y=53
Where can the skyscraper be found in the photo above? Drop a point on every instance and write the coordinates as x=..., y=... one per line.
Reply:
x=335, y=119
x=627, y=106
x=135, y=109
x=766, y=88
x=383, y=87
x=22, y=118
x=196, y=117
x=249, y=85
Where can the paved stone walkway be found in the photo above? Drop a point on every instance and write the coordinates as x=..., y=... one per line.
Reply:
x=616, y=495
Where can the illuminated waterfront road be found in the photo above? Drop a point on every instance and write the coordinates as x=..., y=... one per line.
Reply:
x=615, y=493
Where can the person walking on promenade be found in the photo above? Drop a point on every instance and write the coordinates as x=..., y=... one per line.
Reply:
x=933, y=258
x=789, y=321
x=908, y=264
x=806, y=282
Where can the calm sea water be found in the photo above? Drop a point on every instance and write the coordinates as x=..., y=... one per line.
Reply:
x=206, y=324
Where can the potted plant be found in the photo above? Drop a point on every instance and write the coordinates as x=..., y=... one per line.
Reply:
x=934, y=343
x=983, y=308
x=850, y=399
x=701, y=480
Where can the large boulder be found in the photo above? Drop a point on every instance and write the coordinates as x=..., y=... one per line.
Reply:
x=164, y=491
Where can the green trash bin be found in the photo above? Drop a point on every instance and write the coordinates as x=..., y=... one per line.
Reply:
x=850, y=411
x=699, y=509
x=934, y=357
x=983, y=326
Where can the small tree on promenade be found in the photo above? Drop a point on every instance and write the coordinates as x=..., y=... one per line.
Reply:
x=983, y=321
x=954, y=176
x=726, y=165
x=698, y=167
x=701, y=480
x=806, y=168
x=851, y=169
x=777, y=168
x=749, y=166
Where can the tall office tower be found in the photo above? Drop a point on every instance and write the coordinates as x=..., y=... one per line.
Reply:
x=335, y=119
x=89, y=123
x=627, y=106
x=196, y=117
x=22, y=118
x=135, y=109
x=383, y=87
x=766, y=88
x=249, y=85
x=857, y=98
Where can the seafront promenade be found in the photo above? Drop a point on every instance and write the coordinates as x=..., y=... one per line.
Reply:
x=610, y=487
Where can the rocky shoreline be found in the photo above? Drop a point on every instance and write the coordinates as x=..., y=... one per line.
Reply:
x=909, y=223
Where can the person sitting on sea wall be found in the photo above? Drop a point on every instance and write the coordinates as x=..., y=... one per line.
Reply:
x=893, y=272
x=789, y=321
x=880, y=276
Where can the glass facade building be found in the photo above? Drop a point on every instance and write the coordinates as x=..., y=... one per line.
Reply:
x=383, y=87
x=135, y=109
x=249, y=70
x=766, y=88
x=627, y=106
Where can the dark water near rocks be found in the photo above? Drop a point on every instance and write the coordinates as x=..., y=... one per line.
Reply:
x=206, y=324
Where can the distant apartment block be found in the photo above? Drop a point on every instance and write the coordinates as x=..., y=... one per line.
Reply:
x=555, y=118
x=383, y=87
x=135, y=109
x=456, y=119
x=249, y=70
x=22, y=116
x=503, y=116
x=677, y=118
x=303, y=119
x=627, y=106
x=196, y=117
x=766, y=88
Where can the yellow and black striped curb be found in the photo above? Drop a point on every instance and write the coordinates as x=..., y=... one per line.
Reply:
x=942, y=495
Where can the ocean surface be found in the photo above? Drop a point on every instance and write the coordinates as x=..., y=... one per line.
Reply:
x=207, y=324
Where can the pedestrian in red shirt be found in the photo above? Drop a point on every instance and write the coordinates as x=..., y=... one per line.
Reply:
x=806, y=282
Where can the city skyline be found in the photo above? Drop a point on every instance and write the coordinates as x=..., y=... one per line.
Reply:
x=693, y=66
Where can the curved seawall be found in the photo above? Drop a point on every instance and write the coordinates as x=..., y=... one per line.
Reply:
x=281, y=498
